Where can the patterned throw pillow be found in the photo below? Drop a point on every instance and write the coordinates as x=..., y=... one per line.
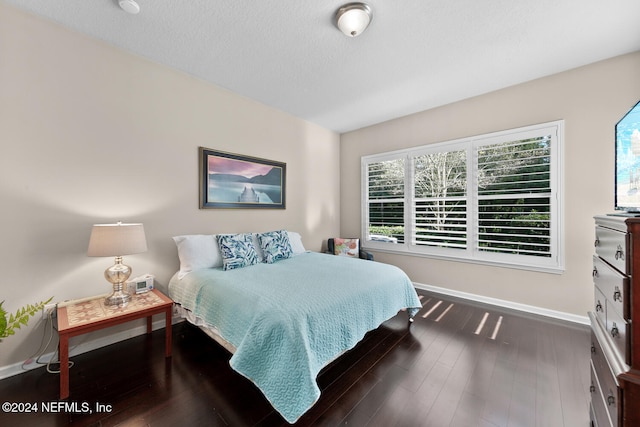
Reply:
x=347, y=247
x=237, y=250
x=275, y=246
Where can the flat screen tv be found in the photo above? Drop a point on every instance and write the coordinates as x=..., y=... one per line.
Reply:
x=627, y=186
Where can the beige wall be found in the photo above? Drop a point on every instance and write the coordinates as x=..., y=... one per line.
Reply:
x=92, y=134
x=591, y=100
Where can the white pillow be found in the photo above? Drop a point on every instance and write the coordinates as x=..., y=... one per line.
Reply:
x=296, y=242
x=197, y=251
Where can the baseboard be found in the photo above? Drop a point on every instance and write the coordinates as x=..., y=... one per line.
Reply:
x=567, y=317
x=19, y=368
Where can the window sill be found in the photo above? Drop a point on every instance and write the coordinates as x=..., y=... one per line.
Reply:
x=493, y=263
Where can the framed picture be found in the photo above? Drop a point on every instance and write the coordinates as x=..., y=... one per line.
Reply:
x=235, y=181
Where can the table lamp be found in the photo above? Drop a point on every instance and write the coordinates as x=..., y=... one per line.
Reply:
x=117, y=240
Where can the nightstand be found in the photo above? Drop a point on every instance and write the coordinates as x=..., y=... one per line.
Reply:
x=84, y=316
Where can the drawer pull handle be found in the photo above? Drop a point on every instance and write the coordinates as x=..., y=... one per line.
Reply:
x=599, y=307
x=619, y=253
x=592, y=389
x=617, y=295
x=597, y=242
x=593, y=348
x=611, y=400
x=614, y=331
x=594, y=273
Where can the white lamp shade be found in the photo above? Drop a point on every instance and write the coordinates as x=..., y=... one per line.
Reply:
x=353, y=18
x=117, y=240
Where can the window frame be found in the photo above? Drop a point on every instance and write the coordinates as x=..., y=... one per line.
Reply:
x=552, y=264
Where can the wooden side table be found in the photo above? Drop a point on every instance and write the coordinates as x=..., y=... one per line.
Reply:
x=81, y=317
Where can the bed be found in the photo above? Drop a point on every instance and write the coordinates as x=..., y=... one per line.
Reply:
x=285, y=320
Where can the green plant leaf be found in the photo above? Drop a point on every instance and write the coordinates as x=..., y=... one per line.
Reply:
x=22, y=316
x=3, y=321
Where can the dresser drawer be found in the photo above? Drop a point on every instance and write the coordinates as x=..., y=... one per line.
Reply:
x=599, y=411
x=613, y=284
x=618, y=330
x=611, y=245
x=600, y=304
x=598, y=358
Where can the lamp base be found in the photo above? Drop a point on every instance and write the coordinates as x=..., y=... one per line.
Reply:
x=117, y=298
x=117, y=275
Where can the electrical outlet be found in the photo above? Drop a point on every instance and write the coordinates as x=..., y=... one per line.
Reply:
x=176, y=311
x=49, y=308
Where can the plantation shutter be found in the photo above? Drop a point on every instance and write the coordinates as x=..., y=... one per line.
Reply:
x=514, y=197
x=494, y=199
x=440, y=200
x=385, y=200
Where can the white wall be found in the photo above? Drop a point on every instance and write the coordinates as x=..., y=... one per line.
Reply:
x=591, y=100
x=92, y=134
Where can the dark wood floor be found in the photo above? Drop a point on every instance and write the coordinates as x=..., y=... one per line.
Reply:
x=444, y=371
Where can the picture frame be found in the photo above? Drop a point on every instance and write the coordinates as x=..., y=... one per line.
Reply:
x=229, y=180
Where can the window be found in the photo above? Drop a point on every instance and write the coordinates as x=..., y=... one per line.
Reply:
x=386, y=200
x=492, y=199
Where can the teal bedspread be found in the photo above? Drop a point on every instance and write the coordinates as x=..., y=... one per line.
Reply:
x=289, y=319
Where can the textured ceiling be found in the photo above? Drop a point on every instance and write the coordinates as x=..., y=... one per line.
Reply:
x=415, y=55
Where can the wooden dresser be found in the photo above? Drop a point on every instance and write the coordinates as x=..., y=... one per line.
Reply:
x=615, y=342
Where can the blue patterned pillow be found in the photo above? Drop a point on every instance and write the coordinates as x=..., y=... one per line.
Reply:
x=237, y=250
x=275, y=246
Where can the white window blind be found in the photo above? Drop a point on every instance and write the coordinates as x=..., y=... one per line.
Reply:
x=514, y=197
x=386, y=200
x=439, y=201
x=493, y=198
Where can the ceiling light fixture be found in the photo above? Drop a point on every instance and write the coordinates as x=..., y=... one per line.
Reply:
x=353, y=18
x=129, y=6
